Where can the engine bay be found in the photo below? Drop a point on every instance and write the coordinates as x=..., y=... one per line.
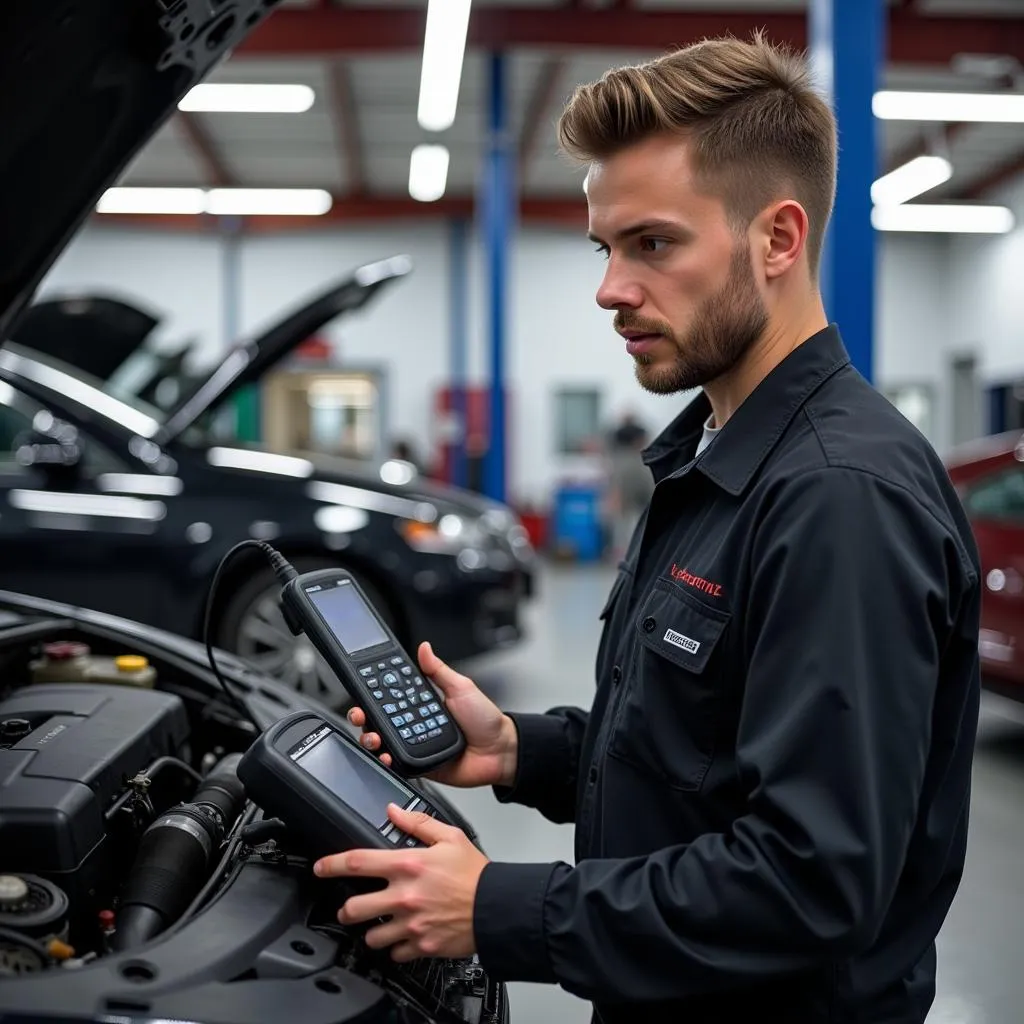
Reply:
x=135, y=876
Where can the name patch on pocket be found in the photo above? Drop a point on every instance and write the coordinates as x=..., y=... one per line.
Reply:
x=685, y=642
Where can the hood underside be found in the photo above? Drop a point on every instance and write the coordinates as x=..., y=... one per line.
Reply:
x=84, y=84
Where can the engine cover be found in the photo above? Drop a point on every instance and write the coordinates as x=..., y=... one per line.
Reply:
x=65, y=751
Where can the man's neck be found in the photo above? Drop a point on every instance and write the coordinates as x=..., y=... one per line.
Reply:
x=728, y=392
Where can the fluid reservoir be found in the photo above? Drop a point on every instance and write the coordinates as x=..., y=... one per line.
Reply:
x=68, y=661
x=124, y=670
x=63, y=661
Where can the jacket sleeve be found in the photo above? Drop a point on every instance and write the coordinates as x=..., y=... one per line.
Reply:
x=856, y=592
x=548, y=759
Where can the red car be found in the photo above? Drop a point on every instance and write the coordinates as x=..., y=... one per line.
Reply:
x=989, y=474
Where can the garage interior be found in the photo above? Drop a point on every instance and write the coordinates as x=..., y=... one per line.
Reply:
x=485, y=364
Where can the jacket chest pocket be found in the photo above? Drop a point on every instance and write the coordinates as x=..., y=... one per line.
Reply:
x=667, y=715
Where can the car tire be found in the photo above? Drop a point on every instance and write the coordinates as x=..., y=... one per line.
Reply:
x=253, y=627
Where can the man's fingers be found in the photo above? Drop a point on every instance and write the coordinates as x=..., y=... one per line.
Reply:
x=444, y=677
x=420, y=825
x=386, y=935
x=357, y=716
x=370, y=740
x=358, y=864
x=367, y=907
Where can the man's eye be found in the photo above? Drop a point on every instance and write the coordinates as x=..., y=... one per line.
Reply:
x=603, y=250
x=653, y=244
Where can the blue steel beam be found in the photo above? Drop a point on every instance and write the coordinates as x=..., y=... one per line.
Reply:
x=458, y=272
x=499, y=196
x=847, y=50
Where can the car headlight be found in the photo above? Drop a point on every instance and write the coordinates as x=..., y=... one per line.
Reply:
x=449, y=535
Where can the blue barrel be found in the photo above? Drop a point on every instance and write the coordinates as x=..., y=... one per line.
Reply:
x=576, y=522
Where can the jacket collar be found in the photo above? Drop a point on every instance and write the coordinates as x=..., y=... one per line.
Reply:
x=755, y=428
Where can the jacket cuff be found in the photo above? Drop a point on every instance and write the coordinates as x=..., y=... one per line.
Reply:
x=508, y=921
x=544, y=760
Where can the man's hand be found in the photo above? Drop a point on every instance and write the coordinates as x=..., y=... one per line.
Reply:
x=429, y=896
x=492, y=743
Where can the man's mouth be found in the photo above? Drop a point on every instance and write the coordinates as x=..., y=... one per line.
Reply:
x=638, y=344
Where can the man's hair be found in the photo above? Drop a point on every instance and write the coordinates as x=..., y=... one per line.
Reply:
x=759, y=130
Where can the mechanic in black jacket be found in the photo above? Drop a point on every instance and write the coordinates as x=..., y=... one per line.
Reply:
x=771, y=789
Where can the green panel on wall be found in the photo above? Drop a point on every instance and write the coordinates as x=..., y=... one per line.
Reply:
x=247, y=413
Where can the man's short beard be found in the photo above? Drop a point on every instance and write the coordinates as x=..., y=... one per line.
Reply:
x=725, y=328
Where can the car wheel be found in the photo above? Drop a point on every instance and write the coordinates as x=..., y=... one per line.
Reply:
x=253, y=627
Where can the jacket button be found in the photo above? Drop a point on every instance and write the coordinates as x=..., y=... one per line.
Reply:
x=648, y=624
x=592, y=776
x=616, y=675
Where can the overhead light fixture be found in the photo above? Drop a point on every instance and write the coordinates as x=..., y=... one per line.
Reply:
x=231, y=98
x=890, y=105
x=282, y=202
x=152, y=200
x=239, y=202
x=444, y=47
x=943, y=218
x=428, y=173
x=911, y=179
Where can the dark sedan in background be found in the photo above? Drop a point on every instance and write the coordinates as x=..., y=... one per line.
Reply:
x=989, y=474
x=119, y=506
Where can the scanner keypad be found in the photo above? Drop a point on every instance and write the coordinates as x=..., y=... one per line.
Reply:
x=396, y=685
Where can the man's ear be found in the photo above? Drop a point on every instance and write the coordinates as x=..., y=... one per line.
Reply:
x=785, y=226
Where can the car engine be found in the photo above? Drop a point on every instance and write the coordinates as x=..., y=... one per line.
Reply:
x=137, y=879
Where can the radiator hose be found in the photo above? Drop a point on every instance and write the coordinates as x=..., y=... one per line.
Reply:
x=175, y=857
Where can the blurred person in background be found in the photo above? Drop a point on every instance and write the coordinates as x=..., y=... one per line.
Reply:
x=630, y=485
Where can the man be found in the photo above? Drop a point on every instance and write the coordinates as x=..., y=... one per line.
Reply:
x=770, y=792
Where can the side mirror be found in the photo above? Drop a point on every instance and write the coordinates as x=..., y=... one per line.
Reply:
x=57, y=452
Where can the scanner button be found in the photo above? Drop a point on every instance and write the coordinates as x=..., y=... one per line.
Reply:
x=418, y=681
x=396, y=693
x=433, y=708
x=398, y=720
x=431, y=723
x=372, y=681
x=405, y=733
x=442, y=719
x=366, y=670
x=390, y=709
x=405, y=670
x=403, y=705
x=425, y=697
x=410, y=693
x=424, y=712
x=433, y=732
x=397, y=660
x=390, y=679
x=409, y=716
x=394, y=836
x=378, y=694
x=419, y=728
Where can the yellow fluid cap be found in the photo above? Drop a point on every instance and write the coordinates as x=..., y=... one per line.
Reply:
x=131, y=662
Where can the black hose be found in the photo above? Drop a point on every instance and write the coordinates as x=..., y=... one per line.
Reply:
x=175, y=855
x=26, y=942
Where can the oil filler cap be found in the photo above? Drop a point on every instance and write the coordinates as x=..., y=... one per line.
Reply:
x=12, y=729
x=131, y=663
x=12, y=890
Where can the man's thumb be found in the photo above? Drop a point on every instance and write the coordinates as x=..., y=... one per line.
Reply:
x=444, y=677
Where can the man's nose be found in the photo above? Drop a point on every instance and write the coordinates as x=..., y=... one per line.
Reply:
x=617, y=291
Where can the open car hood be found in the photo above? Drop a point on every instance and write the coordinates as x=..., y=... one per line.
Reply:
x=96, y=333
x=84, y=84
x=246, y=362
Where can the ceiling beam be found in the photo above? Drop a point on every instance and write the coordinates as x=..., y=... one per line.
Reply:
x=353, y=209
x=346, y=127
x=999, y=175
x=925, y=144
x=213, y=169
x=914, y=37
x=536, y=120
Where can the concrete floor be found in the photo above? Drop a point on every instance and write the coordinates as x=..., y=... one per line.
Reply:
x=980, y=978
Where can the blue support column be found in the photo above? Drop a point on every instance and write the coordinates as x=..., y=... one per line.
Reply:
x=458, y=271
x=848, y=47
x=498, y=198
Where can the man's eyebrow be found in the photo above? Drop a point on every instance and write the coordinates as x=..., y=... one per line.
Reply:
x=640, y=229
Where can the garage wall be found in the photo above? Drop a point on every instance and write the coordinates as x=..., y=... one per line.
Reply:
x=934, y=297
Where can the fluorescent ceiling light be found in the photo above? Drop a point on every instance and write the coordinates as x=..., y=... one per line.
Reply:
x=428, y=173
x=444, y=46
x=950, y=219
x=299, y=202
x=917, y=176
x=152, y=200
x=241, y=202
x=948, y=106
x=224, y=98
x=259, y=461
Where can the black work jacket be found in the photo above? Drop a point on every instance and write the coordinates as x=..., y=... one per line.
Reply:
x=771, y=789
